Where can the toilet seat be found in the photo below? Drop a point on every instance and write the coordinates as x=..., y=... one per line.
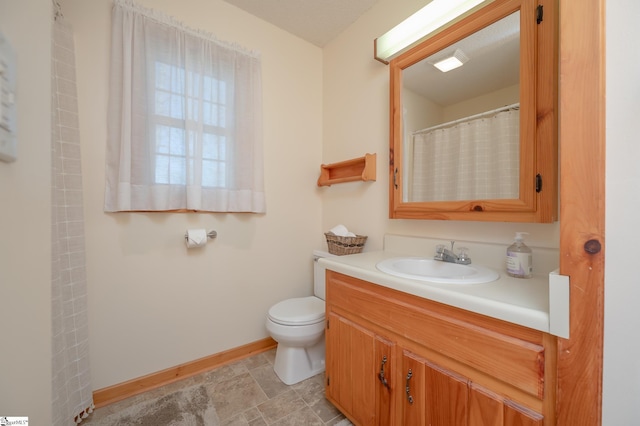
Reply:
x=298, y=311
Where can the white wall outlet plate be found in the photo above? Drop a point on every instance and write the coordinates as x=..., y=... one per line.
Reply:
x=8, y=140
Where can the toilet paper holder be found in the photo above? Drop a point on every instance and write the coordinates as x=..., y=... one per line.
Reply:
x=210, y=235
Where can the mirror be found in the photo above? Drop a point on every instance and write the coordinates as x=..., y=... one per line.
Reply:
x=461, y=139
x=477, y=142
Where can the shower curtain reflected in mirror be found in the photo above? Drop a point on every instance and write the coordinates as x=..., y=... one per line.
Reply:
x=477, y=158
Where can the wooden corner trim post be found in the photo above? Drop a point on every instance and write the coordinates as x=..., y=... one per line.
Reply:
x=582, y=189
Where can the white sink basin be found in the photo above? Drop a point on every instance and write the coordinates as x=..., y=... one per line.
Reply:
x=435, y=271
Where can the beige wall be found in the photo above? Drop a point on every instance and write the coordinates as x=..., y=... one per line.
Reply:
x=621, y=382
x=25, y=221
x=506, y=96
x=356, y=121
x=152, y=303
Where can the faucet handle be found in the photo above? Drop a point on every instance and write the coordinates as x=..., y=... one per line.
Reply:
x=463, y=257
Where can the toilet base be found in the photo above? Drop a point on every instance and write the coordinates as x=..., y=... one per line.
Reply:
x=295, y=364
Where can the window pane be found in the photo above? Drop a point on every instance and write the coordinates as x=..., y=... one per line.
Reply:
x=162, y=169
x=177, y=80
x=214, y=92
x=221, y=114
x=222, y=147
x=206, y=88
x=213, y=174
x=177, y=170
x=177, y=142
x=163, y=76
x=214, y=114
x=206, y=114
x=193, y=85
x=163, y=103
x=163, y=139
x=193, y=112
x=177, y=107
x=191, y=147
x=210, y=146
x=170, y=155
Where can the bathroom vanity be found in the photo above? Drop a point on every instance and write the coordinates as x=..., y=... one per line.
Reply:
x=402, y=352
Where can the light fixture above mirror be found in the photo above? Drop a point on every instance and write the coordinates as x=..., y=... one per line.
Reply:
x=416, y=27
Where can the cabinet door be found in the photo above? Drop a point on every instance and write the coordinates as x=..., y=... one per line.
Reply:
x=435, y=396
x=489, y=409
x=446, y=396
x=359, y=375
x=432, y=395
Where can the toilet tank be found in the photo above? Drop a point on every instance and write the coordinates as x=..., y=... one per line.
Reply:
x=319, y=283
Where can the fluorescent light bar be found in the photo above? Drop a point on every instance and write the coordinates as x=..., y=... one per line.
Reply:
x=423, y=22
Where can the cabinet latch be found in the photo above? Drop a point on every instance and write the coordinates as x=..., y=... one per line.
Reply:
x=538, y=183
x=539, y=14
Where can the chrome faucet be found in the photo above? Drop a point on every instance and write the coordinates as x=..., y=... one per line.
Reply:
x=447, y=255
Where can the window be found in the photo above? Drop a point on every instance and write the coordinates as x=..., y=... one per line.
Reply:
x=185, y=127
x=186, y=100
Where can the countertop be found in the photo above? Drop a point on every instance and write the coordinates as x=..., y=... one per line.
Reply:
x=520, y=301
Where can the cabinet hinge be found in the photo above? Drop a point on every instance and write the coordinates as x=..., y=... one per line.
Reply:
x=328, y=380
x=327, y=324
x=538, y=183
x=395, y=178
x=539, y=13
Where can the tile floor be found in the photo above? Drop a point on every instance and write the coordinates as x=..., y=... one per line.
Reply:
x=246, y=392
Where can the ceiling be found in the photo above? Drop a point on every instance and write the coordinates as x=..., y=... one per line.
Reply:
x=320, y=21
x=316, y=21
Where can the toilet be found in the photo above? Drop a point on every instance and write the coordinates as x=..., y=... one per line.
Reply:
x=298, y=326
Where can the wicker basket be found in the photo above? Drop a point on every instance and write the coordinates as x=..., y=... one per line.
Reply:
x=345, y=245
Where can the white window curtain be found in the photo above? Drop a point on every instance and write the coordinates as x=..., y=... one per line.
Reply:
x=185, y=119
x=471, y=159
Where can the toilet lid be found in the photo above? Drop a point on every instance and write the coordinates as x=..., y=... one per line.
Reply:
x=299, y=311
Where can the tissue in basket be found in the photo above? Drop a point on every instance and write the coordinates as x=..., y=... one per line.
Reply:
x=344, y=245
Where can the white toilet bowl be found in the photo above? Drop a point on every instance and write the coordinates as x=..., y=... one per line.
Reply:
x=298, y=327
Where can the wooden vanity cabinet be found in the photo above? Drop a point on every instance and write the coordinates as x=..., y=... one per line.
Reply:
x=397, y=359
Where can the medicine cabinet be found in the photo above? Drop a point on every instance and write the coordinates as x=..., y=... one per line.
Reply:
x=509, y=54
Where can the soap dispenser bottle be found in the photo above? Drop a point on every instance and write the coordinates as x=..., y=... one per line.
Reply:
x=519, y=258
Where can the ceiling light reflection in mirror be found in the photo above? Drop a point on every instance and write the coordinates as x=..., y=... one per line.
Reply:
x=452, y=62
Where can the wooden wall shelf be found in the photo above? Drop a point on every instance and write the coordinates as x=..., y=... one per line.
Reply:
x=361, y=168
